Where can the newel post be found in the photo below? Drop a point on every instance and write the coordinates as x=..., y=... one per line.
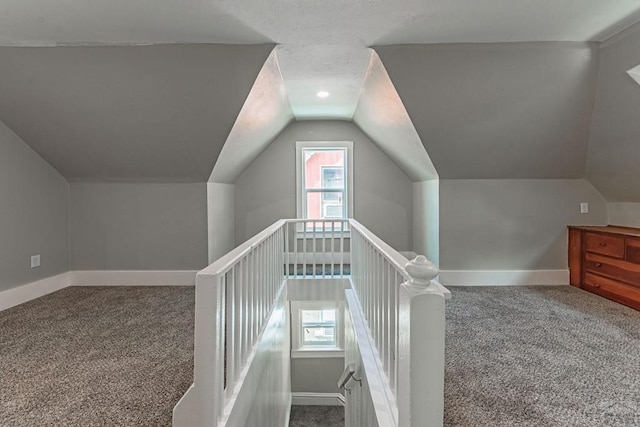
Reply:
x=421, y=347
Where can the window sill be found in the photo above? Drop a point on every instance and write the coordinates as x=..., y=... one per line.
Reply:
x=318, y=353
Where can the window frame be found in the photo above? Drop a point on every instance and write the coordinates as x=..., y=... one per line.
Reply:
x=301, y=190
x=298, y=349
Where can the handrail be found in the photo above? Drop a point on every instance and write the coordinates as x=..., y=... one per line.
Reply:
x=394, y=257
x=223, y=263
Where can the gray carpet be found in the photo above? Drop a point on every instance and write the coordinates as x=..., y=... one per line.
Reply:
x=118, y=356
x=317, y=416
x=540, y=356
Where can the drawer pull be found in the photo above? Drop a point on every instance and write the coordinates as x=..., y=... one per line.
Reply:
x=603, y=244
x=597, y=264
x=596, y=285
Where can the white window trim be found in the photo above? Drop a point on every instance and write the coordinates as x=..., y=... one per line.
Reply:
x=348, y=172
x=297, y=349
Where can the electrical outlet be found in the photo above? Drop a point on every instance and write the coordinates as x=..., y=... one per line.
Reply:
x=35, y=261
x=584, y=207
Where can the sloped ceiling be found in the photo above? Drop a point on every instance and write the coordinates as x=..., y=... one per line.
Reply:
x=495, y=111
x=143, y=113
x=163, y=112
x=613, y=165
x=354, y=22
x=382, y=117
x=265, y=113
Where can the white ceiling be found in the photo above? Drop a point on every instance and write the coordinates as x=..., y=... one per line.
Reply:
x=354, y=22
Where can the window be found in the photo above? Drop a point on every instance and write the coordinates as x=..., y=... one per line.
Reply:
x=323, y=171
x=316, y=328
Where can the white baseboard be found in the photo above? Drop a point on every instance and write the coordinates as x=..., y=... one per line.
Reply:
x=21, y=294
x=134, y=278
x=503, y=277
x=317, y=399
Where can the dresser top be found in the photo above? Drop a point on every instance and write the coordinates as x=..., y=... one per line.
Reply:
x=613, y=229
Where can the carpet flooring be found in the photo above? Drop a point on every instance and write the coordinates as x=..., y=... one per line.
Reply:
x=540, y=356
x=516, y=356
x=316, y=416
x=96, y=356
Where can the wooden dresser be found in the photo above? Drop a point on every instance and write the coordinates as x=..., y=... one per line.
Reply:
x=606, y=261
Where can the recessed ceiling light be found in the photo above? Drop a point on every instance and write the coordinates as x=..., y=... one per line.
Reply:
x=322, y=94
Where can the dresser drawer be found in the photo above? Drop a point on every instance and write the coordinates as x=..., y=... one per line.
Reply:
x=609, y=288
x=604, y=244
x=632, y=250
x=614, y=268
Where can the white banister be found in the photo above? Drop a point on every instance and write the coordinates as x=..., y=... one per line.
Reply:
x=421, y=326
x=235, y=298
x=395, y=328
x=403, y=307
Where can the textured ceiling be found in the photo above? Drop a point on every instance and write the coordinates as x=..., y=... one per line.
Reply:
x=339, y=70
x=355, y=22
x=146, y=113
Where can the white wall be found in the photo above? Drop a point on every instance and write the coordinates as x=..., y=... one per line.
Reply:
x=512, y=224
x=34, y=214
x=138, y=226
x=266, y=190
x=426, y=219
x=220, y=219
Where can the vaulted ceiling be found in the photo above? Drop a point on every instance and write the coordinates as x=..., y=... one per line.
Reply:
x=144, y=113
x=97, y=110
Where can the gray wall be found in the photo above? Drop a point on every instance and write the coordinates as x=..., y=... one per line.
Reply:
x=138, y=226
x=627, y=214
x=498, y=111
x=266, y=190
x=220, y=219
x=615, y=129
x=316, y=375
x=512, y=224
x=34, y=214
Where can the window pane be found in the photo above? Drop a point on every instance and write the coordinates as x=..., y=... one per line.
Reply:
x=325, y=204
x=319, y=336
x=324, y=168
x=325, y=316
x=332, y=177
x=318, y=327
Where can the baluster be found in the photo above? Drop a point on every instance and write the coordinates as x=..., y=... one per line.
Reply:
x=324, y=241
x=304, y=249
x=230, y=332
x=342, y=249
x=315, y=254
